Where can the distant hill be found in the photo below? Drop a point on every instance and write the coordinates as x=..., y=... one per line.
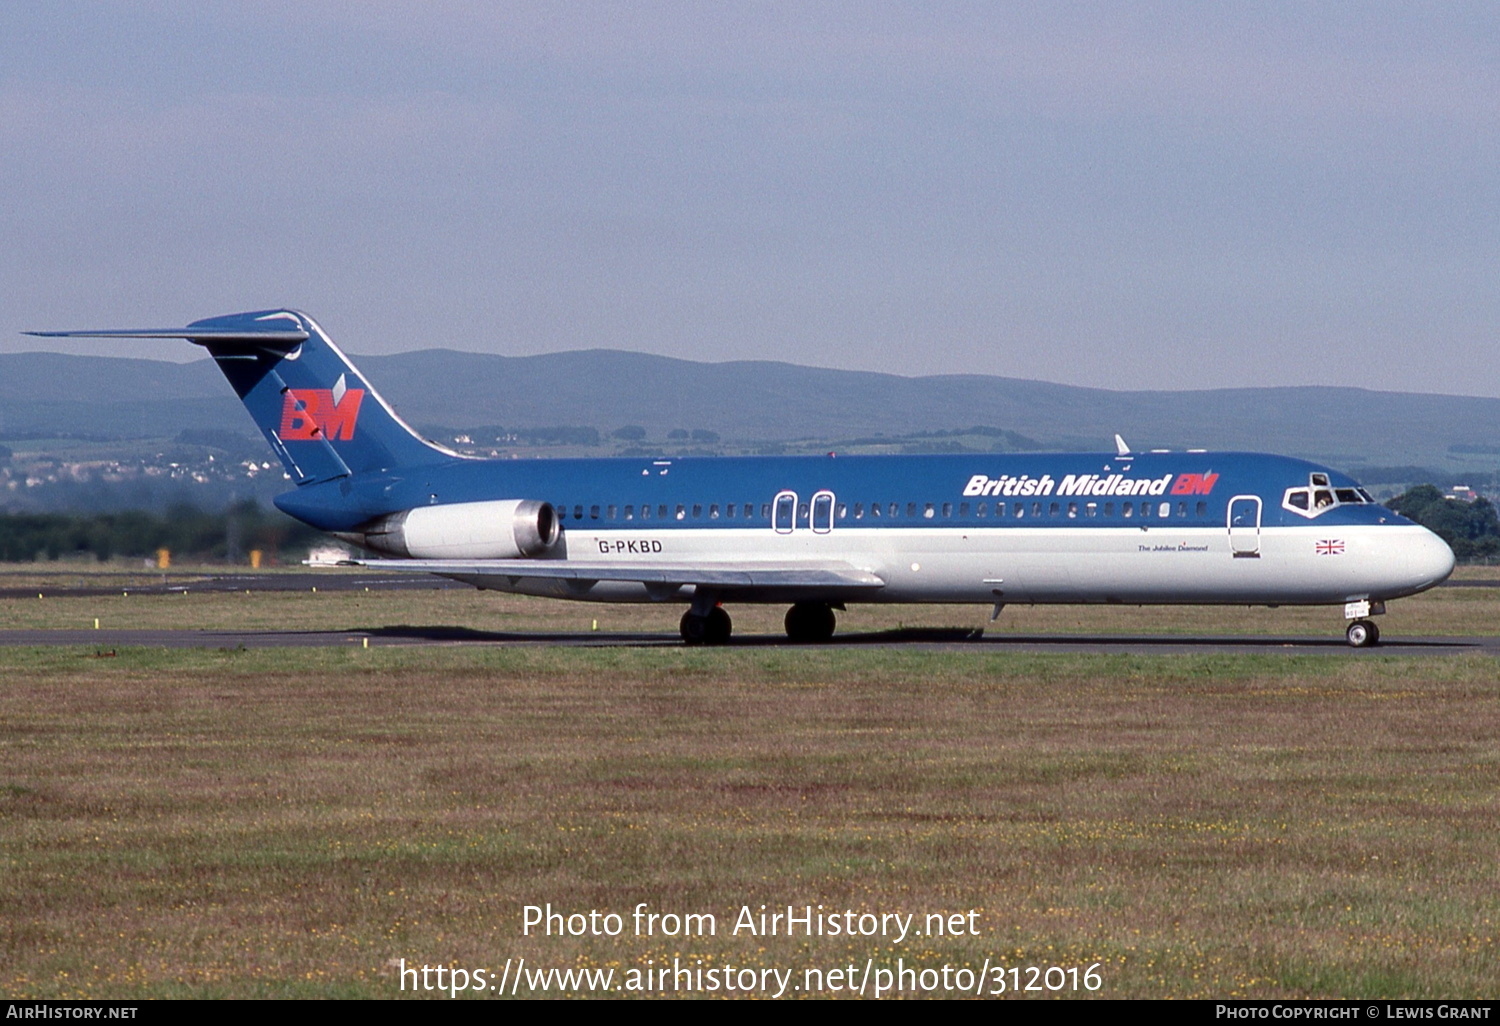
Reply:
x=46, y=394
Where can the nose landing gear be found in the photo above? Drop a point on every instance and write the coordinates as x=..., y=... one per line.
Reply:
x=1363, y=634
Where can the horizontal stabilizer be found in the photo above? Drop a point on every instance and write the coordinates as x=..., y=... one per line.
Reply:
x=281, y=338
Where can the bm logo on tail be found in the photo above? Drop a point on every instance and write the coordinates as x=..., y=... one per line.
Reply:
x=308, y=414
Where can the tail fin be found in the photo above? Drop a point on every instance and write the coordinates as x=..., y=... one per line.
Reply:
x=320, y=416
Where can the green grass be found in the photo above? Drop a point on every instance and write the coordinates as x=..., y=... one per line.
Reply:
x=293, y=823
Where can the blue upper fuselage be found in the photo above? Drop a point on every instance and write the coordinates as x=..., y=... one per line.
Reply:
x=978, y=490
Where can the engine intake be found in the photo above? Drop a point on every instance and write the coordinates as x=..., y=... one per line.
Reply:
x=500, y=529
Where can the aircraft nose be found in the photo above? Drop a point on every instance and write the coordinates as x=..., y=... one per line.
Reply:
x=1430, y=560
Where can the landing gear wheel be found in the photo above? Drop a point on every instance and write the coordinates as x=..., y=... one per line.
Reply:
x=719, y=626
x=810, y=621
x=693, y=628
x=1362, y=634
x=713, y=629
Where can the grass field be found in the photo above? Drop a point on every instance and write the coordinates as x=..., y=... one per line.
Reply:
x=295, y=823
x=1444, y=611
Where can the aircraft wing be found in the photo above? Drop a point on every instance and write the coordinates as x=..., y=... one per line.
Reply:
x=820, y=576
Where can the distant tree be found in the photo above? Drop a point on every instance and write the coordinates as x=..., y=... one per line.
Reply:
x=704, y=435
x=677, y=433
x=629, y=433
x=5, y=454
x=1471, y=529
x=185, y=530
x=562, y=435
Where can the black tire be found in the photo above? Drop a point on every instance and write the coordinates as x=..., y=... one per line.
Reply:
x=713, y=629
x=719, y=626
x=1362, y=634
x=810, y=622
x=694, y=629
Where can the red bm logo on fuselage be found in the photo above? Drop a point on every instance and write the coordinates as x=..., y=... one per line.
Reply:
x=311, y=413
x=1194, y=484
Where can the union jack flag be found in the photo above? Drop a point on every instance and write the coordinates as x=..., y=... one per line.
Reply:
x=1331, y=547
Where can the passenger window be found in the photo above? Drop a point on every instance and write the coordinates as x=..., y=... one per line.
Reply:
x=802, y=512
x=1128, y=509
x=697, y=510
x=843, y=510
x=1052, y=509
x=927, y=511
x=729, y=510
x=1072, y=511
x=859, y=511
x=1036, y=508
x=1202, y=509
x=1182, y=509
x=1091, y=510
x=983, y=509
x=911, y=509
x=577, y=512
x=947, y=510
x=1020, y=510
x=629, y=512
x=594, y=512
x=646, y=511
x=874, y=509
x=611, y=511
x=713, y=511
x=1109, y=509
x=681, y=512
x=765, y=510
x=963, y=509
x=1165, y=510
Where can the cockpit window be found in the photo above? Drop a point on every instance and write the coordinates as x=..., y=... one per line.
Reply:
x=1320, y=496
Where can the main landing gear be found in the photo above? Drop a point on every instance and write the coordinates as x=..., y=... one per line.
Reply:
x=711, y=628
x=805, y=622
x=810, y=621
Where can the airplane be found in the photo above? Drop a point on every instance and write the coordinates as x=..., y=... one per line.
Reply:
x=815, y=533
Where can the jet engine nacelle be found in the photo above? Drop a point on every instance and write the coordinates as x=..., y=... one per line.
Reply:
x=501, y=529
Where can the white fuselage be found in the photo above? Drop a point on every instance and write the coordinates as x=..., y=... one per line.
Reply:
x=1158, y=564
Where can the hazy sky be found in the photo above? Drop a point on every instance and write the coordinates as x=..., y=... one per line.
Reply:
x=1122, y=195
